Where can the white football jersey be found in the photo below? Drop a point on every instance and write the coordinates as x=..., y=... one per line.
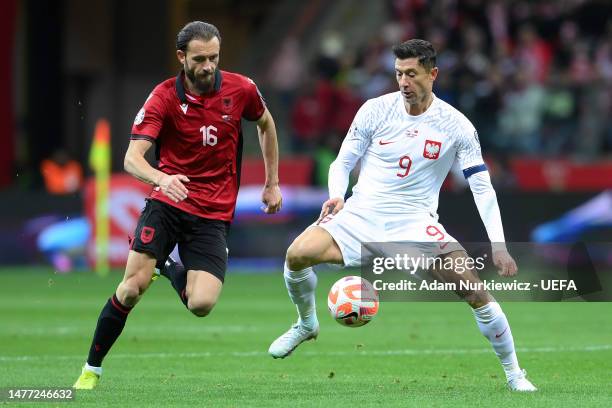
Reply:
x=405, y=158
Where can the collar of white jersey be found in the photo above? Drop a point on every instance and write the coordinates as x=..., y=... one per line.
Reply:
x=434, y=100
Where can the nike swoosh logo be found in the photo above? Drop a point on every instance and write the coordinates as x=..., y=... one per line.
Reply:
x=380, y=142
x=497, y=336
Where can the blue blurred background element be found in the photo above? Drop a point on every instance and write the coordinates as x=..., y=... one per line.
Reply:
x=535, y=77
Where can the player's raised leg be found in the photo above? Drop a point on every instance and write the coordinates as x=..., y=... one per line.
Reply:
x=113, y=316
x=200, y=280
x=492, y=323
x=202, y=292
x=198, y=290
x=314, y=246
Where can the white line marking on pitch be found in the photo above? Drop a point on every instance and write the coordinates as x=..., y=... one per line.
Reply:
x=319, y=353
x=69, y=330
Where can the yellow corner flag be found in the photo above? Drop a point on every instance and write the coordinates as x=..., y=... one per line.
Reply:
x=100, y=162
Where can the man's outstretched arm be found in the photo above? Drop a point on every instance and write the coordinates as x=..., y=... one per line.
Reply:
x=488, y=208
x=271, y=194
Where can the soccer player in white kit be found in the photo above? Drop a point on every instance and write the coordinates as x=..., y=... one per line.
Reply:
x=407, y=142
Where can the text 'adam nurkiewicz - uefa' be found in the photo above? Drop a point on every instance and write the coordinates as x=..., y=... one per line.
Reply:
x=515, y=285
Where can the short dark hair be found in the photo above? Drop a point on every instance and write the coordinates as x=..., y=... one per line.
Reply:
x=415, y=48
x=196, y=29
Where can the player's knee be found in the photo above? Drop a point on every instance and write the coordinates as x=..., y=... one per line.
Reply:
x=296, y=258
x=130, y=289
x=128, y=292
x=476, y=299
x=200, y=308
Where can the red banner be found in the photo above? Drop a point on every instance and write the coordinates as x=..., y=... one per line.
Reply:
x=126, y=201
x=561, y=175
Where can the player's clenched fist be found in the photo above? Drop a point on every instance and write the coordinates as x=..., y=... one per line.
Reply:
x=172, y=186
x=272, y=198
x=505, y=263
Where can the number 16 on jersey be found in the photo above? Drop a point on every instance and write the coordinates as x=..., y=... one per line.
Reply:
x=208, y=135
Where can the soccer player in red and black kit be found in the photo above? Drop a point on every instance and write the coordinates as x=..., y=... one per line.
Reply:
x=195, y=122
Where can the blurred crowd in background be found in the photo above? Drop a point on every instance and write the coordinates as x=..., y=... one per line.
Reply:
x=535, y=78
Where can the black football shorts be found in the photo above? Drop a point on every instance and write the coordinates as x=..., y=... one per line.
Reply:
x=202, y=243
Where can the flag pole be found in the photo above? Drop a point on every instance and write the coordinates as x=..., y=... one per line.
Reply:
x=100, y=160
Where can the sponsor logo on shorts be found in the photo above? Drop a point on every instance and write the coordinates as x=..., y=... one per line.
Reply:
x=146, y=235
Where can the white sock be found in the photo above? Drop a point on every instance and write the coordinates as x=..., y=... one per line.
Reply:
x=97, y=370
x=494, y=326
x=301, y=286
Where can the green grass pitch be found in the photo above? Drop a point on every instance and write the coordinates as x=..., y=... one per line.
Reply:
x=412, y=354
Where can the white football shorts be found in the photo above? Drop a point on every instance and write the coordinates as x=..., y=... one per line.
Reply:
x=386, y=235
